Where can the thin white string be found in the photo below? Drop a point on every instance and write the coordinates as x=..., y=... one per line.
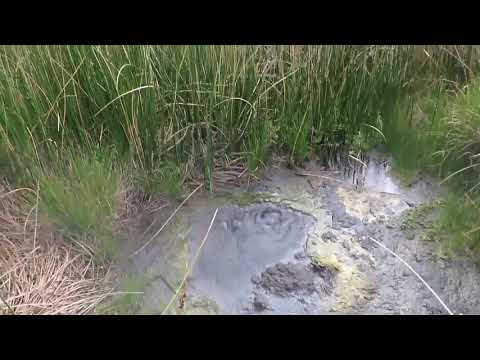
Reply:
x=416, y=274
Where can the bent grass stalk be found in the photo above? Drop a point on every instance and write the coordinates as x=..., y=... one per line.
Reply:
x=189, y=270
x=167, y=221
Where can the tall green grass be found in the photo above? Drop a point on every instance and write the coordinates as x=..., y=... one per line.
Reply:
x=155, y=104
x=159, y=112
x=438, y=132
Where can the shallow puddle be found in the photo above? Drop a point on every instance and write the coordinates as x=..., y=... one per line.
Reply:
x=372, y=172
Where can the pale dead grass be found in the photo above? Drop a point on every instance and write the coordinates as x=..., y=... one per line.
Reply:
x=134, y=203
x=229, y=172
x=40, y=273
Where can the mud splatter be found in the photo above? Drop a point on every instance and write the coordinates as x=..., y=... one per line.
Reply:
x=296, y=279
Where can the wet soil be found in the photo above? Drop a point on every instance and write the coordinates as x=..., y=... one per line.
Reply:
x=302, y=244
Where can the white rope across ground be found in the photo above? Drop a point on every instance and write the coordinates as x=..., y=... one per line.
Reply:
x=416, y=274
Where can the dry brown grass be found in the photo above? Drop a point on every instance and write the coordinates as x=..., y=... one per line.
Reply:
x=39, y=272
x=136, y=202
x=229, y=172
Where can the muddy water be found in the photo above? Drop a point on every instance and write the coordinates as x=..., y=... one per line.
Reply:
x=301, y=245
x=241, y=245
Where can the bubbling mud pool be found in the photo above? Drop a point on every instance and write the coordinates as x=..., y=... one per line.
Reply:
x=300, y=246
x=252, y=250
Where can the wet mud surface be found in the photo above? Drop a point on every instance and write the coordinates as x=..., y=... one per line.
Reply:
x=301, y=245
x=244, y=242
